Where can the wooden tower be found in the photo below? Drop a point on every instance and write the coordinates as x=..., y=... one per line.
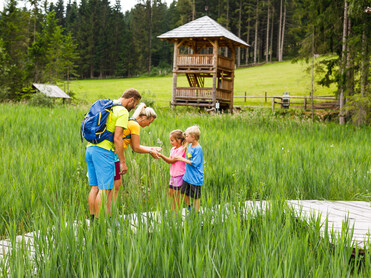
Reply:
x=198, y=46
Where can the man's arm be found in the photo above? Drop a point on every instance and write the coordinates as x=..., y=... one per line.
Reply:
x=119, y=147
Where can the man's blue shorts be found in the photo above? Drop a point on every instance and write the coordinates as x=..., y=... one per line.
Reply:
x=101, y=167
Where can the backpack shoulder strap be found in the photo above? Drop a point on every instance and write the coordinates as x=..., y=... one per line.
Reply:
x=117, y=103
x=129, y=135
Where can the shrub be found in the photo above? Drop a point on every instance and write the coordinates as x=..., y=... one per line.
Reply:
x=359, y=107
x=148, y=98
x=39, y=99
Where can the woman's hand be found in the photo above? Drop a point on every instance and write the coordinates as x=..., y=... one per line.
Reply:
x=154, y=153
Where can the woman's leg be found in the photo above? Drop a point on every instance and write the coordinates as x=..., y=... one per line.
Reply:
x=117, y=184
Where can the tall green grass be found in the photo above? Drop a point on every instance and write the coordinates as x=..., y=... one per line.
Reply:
x=248, y=156
x=275, y=79
x=274, y=244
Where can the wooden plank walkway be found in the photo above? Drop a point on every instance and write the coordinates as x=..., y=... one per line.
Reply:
x=357, y=213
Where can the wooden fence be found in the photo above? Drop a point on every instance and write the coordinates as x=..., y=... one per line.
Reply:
x=301, y=102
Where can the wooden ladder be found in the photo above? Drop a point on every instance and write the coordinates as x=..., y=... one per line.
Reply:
x=195, y=80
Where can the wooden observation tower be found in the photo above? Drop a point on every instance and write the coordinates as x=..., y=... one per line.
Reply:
x=204, y=51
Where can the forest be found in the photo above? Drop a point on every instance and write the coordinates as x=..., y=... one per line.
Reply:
x=95, y=39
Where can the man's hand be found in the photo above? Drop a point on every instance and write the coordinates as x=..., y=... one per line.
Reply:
x=123, y=168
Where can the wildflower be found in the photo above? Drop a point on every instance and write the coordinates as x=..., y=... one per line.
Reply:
x=159, y=141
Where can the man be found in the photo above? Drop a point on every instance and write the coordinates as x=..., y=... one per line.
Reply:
x=100, y=157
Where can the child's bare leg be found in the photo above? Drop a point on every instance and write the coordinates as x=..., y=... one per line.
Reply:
x=197, y=204
x=177, y=199
x=186, y=199
x=171, y=196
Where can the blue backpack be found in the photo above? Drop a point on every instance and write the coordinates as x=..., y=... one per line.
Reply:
x=93, y=126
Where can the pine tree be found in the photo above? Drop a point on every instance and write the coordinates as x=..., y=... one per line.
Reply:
x=15, y=35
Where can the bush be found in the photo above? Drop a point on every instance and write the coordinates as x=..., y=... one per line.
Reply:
x=158, y=71
x=5, y=94
x=40, y=99
x=148, y=98
x=359, y=107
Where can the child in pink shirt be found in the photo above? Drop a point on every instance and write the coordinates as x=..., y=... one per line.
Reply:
x=177, y=168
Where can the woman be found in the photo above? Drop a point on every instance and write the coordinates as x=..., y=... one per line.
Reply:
x=142, y=117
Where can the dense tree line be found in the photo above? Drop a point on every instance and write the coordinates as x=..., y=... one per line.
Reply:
x=95, y=39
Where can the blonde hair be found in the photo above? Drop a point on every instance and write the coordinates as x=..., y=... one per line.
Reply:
x=194, y=131
x=143, y=110
x=177, y=134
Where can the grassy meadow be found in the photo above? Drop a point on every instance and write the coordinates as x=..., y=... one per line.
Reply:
x=275, y=79
x=254, y=155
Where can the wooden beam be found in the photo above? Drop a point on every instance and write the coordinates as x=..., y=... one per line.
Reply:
x=213, y=43
x=215, y=72
x=232, y=77
x=179, y=43
x=176, y=45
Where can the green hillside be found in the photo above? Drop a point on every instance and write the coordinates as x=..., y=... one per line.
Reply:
x=273, y=78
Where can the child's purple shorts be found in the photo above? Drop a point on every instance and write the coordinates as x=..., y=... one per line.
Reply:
x=176, y=182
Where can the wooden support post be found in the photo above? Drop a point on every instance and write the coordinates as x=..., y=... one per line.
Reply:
x=305, y=103
x=265, y=96
x=232, y=77
x=273, y=104
x=245, y=96
x=175, y=72
x=215, y=69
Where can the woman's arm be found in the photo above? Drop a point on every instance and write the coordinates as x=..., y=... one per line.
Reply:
x=136, y=147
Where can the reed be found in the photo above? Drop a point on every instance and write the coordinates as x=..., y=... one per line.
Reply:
x=44, y=188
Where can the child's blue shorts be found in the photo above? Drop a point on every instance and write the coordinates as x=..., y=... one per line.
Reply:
x=101, y=167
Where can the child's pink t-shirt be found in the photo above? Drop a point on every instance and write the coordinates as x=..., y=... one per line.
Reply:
x=177, y=168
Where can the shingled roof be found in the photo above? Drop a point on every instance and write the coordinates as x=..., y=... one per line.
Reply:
x=203, y=27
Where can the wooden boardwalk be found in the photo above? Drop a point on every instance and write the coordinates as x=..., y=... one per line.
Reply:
x=356, y=213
